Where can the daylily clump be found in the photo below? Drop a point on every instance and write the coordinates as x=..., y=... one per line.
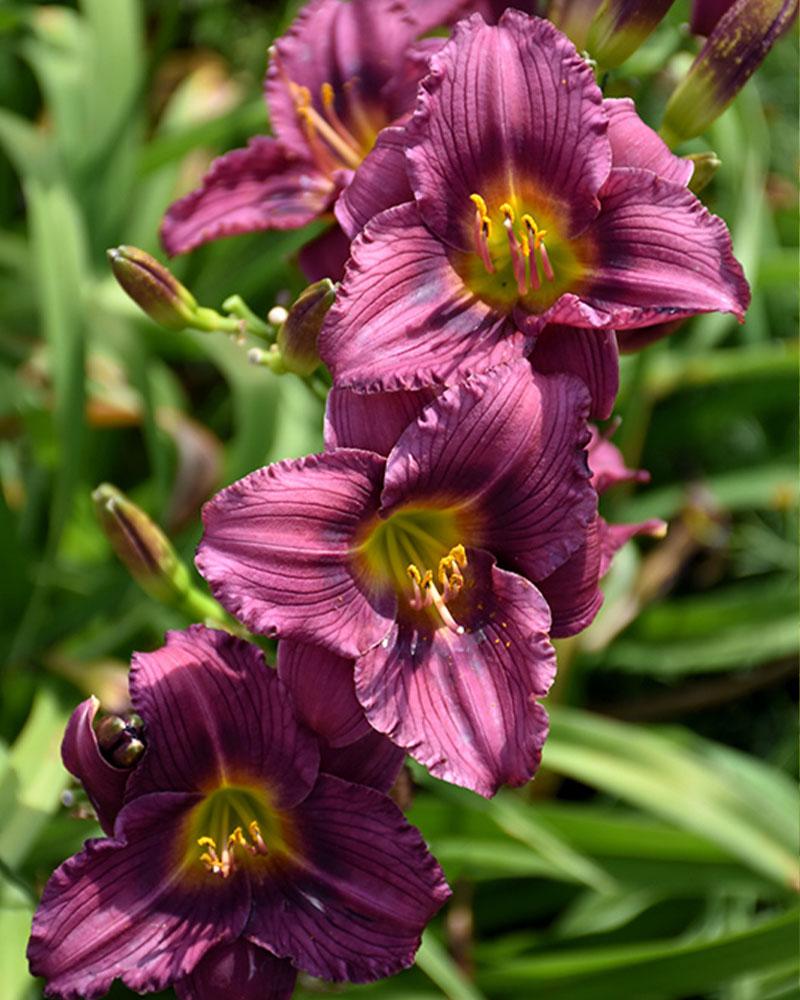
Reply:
x=509, y=230
x=238, y=850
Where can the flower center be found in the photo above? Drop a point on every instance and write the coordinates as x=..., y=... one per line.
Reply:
x=403, y=550
x=217, y=840
x=334, y=145
x=519, y=256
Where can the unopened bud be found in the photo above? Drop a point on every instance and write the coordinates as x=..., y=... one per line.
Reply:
x=573, y=17
x=733, y=51
x=120, y=738
x=705, y=166
x=620, y=26
x=706, y=14
x=297, y=337
x=153, y=288
x=141, y=545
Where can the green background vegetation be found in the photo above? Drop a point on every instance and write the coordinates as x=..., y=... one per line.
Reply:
x=655, y=854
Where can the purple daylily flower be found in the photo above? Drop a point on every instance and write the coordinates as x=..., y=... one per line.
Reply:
x=340, y=74
x=376, y=421
x=424, y=566
x=233, y=858
x=535, y=203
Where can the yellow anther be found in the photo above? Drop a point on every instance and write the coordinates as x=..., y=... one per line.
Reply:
x=458, y=552
x=507, y=211
x=207, y=842
x=427, y=580
x=480, y=204
x=253, y=829
x=414, y=574
x=538, y=234
x=237, y=838
x=327, y=94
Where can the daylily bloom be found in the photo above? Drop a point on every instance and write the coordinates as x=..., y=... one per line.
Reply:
x=340, y=74
x=736, y=46
x=529, y=209
x=232, y=859
x=424, y=566
x=572, y=591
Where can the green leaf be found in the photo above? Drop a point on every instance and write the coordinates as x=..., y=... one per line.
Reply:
x=32, y=779
x=438, y=966
x=16, y=912
x=673, y=780
x=654, y=970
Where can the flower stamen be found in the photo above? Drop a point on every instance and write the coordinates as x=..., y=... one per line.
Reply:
x=482, y=231
x=425, y=592
x=223, y=863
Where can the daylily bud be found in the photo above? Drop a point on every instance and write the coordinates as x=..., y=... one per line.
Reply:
x=573, y=17
x=297, y=337
x=120, y=739
x=732, y=53
x=705, y=166
x=620, y=26
x=141, y=545
x=706, y=13
x=153, y=288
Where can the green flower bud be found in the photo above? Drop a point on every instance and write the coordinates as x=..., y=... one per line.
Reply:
x=732, y=53
x=141, y=545
x=153, y=288
x=128, y=752
x=297, y=337
x=620, y=26
x=574, y=18
x=120, y=738
x=705, y=166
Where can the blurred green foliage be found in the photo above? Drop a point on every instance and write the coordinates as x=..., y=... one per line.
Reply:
x=655, y=855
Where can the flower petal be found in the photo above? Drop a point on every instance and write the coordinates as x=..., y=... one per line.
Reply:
x=592, y=355
x=323, y=691
x=239, y=971
x=373, y=760
x=104, y=783
x=507, y=447
x=356, y=908
x=211, y=706
x=276, y=550
x=325, y=256
x=122, y=909
x=614, y=536
x=573, y=591
x=379, y=183
x=403, y=318
x=374, y=420
x=661, y=255
x=464, y=704
x=263, y=186
x=513, y=104
x=634, y=144
x=608, y=466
